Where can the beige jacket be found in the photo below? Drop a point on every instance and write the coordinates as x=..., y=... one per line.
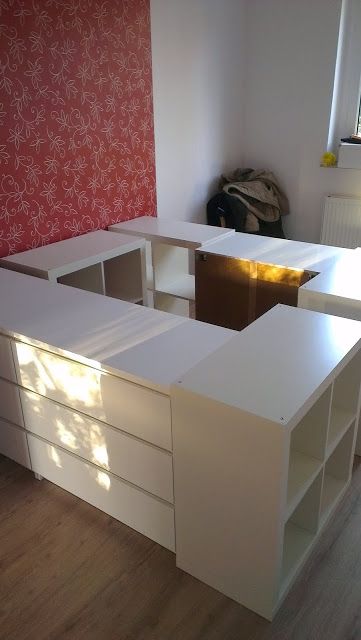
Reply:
x=259, y=192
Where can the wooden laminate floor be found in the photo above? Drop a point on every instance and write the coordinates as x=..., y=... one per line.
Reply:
x=69, y=571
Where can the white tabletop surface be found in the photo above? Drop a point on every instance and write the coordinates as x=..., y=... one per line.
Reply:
x=343, y=279
x=187, y=234
x=66, y=256
x=275, y=365
x=141, y=344
x=277, y=251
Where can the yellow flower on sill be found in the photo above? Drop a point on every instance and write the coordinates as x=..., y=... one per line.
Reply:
x=328, y=159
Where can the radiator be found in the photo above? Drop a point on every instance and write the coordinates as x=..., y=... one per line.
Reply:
x=341, y=225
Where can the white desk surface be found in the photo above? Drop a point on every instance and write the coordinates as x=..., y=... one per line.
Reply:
x=274, y=367
x=186, y=234
x=277, y=251
x=57, y=259
x=143, y=345
x=342, y=280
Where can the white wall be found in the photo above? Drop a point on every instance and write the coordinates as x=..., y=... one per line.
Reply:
x=198, y=66
x=291, y=52
x=245, y=82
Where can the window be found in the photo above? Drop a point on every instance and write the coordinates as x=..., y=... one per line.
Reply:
x=345, y=117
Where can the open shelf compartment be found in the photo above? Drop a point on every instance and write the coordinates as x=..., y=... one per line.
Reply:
x=299, y=533
x=171, y=271
x=345, y=400
x=171, y=304
x=337, y=473
x=89, y=278
x=123, y=277
x=307, y=451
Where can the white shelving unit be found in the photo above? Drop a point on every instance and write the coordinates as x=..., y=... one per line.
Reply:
x=264, y=436
x=110, y=265
x=336, y=290
x=172, y=244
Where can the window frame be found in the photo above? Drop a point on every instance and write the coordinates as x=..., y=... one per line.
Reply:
x=347, y=85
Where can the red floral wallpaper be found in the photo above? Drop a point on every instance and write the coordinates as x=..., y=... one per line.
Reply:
x=76, y=118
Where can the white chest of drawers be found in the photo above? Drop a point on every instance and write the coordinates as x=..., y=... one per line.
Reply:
x=85, y=395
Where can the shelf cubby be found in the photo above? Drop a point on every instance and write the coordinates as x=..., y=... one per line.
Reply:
x=171, y=271
x=302, y=471
x=296, y=543
x=123, y=277
x=345, y=398
x=171, y=304
x=340, y=421
x=307, y=451
x=300, y=531
x=337, y=472
x=89, y=279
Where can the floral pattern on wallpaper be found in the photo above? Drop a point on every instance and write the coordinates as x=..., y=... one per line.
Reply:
x=76, y=118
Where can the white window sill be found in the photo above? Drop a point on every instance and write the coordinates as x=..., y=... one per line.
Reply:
x=349, y=156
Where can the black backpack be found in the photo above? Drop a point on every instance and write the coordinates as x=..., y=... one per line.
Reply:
x=224, y=210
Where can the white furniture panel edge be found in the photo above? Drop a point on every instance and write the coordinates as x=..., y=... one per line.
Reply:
x=14, y=443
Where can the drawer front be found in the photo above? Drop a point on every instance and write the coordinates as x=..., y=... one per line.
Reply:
x=7, y=369
x=144, y=513
x=132, y=408
x=13, y=443
x=131, y=459
x=10, y=407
